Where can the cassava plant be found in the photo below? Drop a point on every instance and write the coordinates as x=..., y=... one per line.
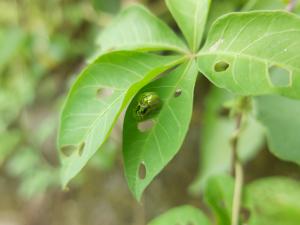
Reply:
x=145, y=68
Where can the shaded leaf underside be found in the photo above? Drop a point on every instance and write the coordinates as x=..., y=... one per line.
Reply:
x=156, y=147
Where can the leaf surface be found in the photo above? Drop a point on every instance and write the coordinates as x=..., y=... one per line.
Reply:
x=219, y=194
x=273, y=201
x=154, y=148
x=190, y=16
x=242, y=49
x=136, y=28
x=280, y=117
x=181, y=215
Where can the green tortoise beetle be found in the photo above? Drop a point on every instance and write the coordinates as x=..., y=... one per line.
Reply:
x=148, y=104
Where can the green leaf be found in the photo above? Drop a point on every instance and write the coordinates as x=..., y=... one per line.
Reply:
x=219, y=194
x=181, y=215
x=10, y=42
x=242, y=49
x=217, y=130
x=273, y=201
x=136, y=28
x=111, y=6
x=191, y=18
x=96, y=99
x=280, y=117
x=221, y=7
x=152, y=149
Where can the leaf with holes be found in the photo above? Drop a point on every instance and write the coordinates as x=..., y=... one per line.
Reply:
x=181, y=215
x=217, y=130
x=96, y=99
x=244, y=49
x=219, y=194
x=191, y=18
x=273, y=201
x=136, y=28
x=149, y=145
x=280, y=117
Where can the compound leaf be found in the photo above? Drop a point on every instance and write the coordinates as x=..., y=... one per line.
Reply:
x=96, y=99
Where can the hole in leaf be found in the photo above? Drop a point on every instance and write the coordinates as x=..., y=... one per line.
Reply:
x=142, y=171
x=279, y=76
x=68, y=150
x=178, y=92
x=81, y=147
x=145, y=126
x=221, y=66
x=104, y=93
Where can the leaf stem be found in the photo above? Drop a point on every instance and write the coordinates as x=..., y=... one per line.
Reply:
x=237, y=169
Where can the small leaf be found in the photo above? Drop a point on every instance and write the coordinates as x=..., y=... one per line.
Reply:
x=191, y=18
x=280, y=117
x=217, y=130
x=273, y=201
x=86, y=119
x=219, y=194
x=251, y=43
x=156, y=146
x=136, y=28
x=186, y=215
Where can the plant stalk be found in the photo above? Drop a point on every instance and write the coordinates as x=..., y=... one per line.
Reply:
x=238, y=174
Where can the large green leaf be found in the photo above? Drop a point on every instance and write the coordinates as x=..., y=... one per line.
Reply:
x=136, y=28
x=217, y=130
x=154, y=148
x=280, y=116
x=96, y=99
x=243, y=48
x=181, y=215
x=219, y=195
x=191, y=18
x=273, y=201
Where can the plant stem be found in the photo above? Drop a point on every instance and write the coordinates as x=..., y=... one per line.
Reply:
x=238, y=173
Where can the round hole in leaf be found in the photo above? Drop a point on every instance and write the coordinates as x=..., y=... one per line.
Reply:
x=142, y=171
x=279, y=76
x=146, y=125
x=68, y=150
x=221, y=66
x=178, y=92
x=104, y=92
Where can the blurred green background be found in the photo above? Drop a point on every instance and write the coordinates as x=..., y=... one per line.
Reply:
x=43, y=46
